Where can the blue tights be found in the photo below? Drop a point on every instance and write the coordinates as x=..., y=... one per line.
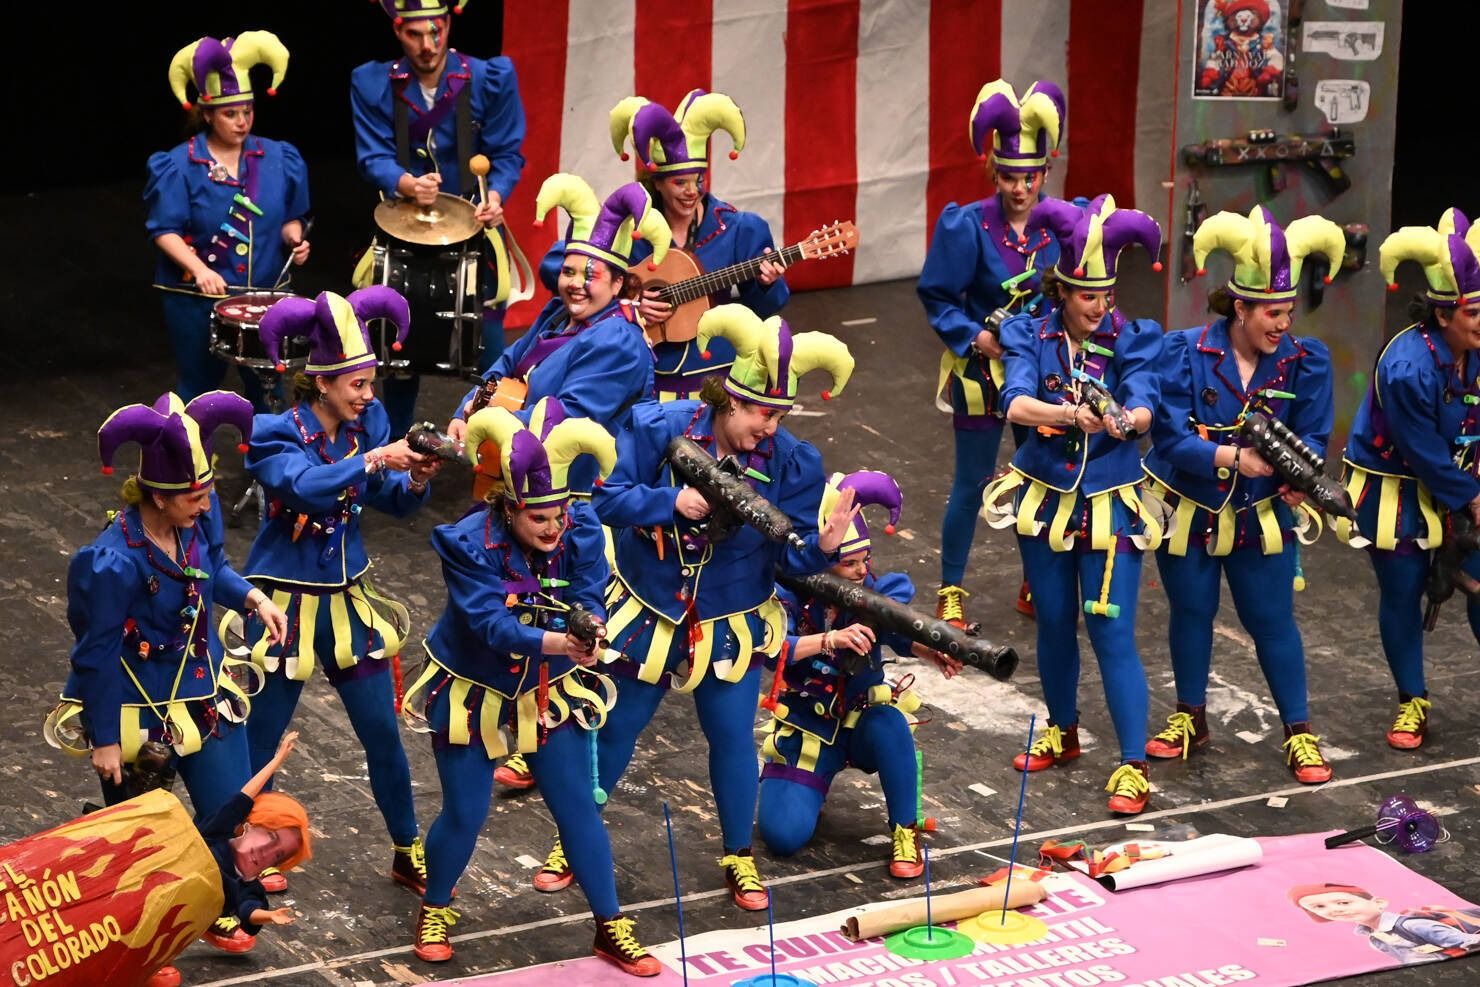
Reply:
x=1400, y=585
x=879, y=742
x=562, y=771
x=726, y=715
x=1264, y=596
x=976, y=461
x=369, y=702
x=1058, y=580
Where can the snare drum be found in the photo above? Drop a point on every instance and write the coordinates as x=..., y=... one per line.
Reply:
x=234, y=335
x=440, y=285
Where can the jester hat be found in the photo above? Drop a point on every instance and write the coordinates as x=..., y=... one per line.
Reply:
x=418, y=10
x=219, y=69
x=1267, y=259
x=675, y=143
x=769, y=360
x=537, y=458
x=870, y=487
x=1448, y=255
x=339, y=341
x=1091, y=238
x=174, y=437
x=1025, y=132
x=605, y=230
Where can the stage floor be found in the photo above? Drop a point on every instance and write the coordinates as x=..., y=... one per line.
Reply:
x=357, y=925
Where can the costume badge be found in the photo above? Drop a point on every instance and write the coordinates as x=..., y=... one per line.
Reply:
x=1210, y=397
x=1053, y=383
x=153, y=585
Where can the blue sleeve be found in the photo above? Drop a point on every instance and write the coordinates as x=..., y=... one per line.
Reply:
x=231, y=589
x=1438, y=934
x=1137, y=353
x=950, y=265
x=295, y=183
x=753, y=236
x=278, y=461
x=252, y=896
x=222, y=824
x=634, y=496
x=479, y=599
x=101, y=585
x=501, y=133
x=896, y=586
x=166, y=197
x=586, y=541
x=608, y=373
x=800, y=497
x=375, y=137
x=1173, y=440
x=1313, y=414
x=1019, y=360
x=1409, y=392
x=388, y=490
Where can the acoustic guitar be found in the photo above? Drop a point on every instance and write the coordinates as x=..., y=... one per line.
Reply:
x=683, y=283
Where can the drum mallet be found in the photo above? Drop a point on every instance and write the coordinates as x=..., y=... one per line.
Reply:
x=307, y=225
x=479, y=165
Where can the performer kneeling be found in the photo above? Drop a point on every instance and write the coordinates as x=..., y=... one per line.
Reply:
x=1076, y=483
x=838, y=710
x=506, y=655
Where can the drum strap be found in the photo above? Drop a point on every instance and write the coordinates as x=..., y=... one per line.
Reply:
x=464, y=124
x=402, y=124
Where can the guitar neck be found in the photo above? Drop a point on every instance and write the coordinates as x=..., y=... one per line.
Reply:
x=726, y=277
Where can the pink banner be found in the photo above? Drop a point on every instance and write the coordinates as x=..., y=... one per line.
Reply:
x=1359, y=910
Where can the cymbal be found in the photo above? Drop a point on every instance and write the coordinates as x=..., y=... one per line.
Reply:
x=447, y=221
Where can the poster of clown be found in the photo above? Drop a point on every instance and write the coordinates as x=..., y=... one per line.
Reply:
x=1242, y=48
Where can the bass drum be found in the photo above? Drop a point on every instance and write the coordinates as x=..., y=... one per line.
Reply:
x=440, y=285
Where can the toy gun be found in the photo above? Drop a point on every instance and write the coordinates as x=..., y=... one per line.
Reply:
x=1354, y=259
x=426, y=439
x=890, y=616
x=1321, y=154
x=1446, y=569
x=1296, y=463
x=723, y=485
x=1103, y=403
x=1197, y=211
x=585, y=626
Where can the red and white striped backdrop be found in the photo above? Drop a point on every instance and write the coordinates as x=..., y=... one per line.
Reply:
x=853, y=108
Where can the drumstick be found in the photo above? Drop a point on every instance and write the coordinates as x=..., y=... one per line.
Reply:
x=308, y=225
x=479, y=165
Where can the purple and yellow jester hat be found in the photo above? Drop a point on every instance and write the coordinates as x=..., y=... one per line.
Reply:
x=339, y=341
x=769, y=360
x=604, y=230
x=675, y=143
x=1448, y=255
x=174, y=437
x=418, y=10
x=220, y=69
x=537, y=458
x=870, y=487
x=1091, y=238
x=1266, y=258
x=1025, y=132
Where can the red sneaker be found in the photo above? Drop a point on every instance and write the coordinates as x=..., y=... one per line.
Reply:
x=616, y=944
x=165, y=976
x=556, y=875
x=273, y=881
x=432, y=923
x=514, y=773
x=409, y=866
x=744, y=881
x=1303, y=755
x=1053, y=746
x=1187, y=730
x=1412, y=724
x=950, y=602
x=1129, y=788
x=227, y=935
x=905, y=862
x=1025, y=602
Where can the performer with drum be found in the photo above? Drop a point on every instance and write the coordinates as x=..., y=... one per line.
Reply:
x=226, y=207
x=320, y=463
x=419, y=120
x=672, y=163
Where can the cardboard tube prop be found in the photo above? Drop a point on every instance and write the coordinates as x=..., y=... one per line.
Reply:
x=943, y=908
x=107, y=898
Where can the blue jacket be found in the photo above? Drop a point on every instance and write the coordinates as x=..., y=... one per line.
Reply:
x=732, y=576
x=1200, y=386
x=1414, y=410
x=725, y=236
x=1038, y=366
x=480, y=636
x=497, y=118
x=327, y=482
x=182, y=198
x=125, y=605
x=807, y=681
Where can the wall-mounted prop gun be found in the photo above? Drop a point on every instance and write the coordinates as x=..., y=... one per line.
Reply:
x=1296, y=463
x=1352, y=41
x=1322, y=154
x=1196, y=212
x=1103, y=403
x=890, y=616
x=1446, y=569
x=734, y=502
x=1354, y=259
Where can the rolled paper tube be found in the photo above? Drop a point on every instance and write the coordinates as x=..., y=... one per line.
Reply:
x=943, y=908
